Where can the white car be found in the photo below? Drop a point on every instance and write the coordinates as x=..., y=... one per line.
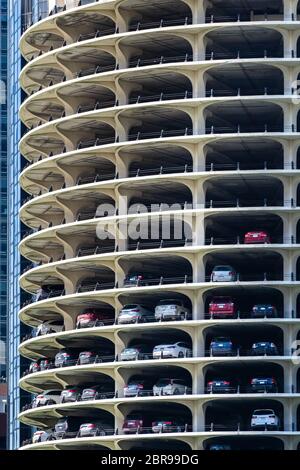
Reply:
x=51, y=397
x=171, y=309
x=170, y=387
x=264, y=418
x=41, y=436
x=135, y=313
x=223, y=274
x=51, y=326
x=180, y=349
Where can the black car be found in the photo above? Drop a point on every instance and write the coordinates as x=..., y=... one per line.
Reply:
x=263, y=311
x=264, y=348
x=263, y=384
x=97, y=392
x=67, y=427
x=65, y=358
x=220, y=386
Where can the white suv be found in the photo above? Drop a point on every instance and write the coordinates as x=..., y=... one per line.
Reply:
x=51, y=397
x=171, y=309
x=170, y=387
x=179, y=349
x=223, y=274
x=135, y=313
x=264, y=418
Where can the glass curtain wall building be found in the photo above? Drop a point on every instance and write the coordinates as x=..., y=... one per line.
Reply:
x=3, y=217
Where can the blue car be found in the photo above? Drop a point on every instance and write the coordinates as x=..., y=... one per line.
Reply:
x=221, y=346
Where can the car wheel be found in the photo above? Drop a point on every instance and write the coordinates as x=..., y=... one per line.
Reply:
x=176, y=392
x=182, y=316
x=180, y=354
x=63, y=400
x=101, y=433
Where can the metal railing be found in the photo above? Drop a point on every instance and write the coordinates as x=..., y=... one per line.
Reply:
x=160, y=60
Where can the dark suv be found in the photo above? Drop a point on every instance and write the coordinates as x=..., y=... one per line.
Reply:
x=264, y=348
x=67, y=427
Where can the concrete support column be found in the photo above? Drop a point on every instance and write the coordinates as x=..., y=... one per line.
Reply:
x=198, y=417
x=290, y=9
x=198, y=306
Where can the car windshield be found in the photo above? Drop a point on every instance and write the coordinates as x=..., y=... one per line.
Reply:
x=163, y=382
x=130, y=350
x=129, y=306
x=170, y=302
x=263, y=412
x=222, y=268
x=222, y=300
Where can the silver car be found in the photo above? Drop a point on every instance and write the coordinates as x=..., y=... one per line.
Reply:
x=135, y=313
x=171, y=309
x=179, y=349
x=51, y=397
x=135, y=353
x=51, y=326
x=170, y=387
x=223, y=274
x=41, y=436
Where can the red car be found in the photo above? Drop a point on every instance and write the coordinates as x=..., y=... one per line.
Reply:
x=92, y=317
x=135, y=423
x=222, y=307
x=258, y=236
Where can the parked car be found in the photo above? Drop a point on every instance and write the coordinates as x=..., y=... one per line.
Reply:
x=67, y=427
x=40, y=365
x=65, y=358
x=220, y=386
x=264, y=419
x=172, y=309
x=179, y=349
x=134, y=423
x=88, y=357
x=51, y=326
x=263, y=384
x=137, y=279
x=50, y=397
x=138, y=388
x=34, y=367
x=46, y=364
x=70, y=394
x=223, y=274
x=221, y=346
x=93, y=428
x=258, y=236
x=92, y=317
x=136, y=353
x=97, y=392
x=170, y=387
x=135, y=313
x=48, y=291
x=222, y=307
x=264, y=310
x=41, y=436
x=264, y=348
x=220, y=447
x=168, y=425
